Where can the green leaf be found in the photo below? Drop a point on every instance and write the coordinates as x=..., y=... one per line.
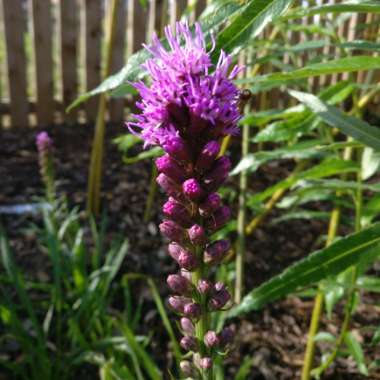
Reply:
x=340, y=65
x=351, y=126
x=369, y=283
x=244, y=369
x=355, y=349
x=254, y=17
x=151, y=153
x=319, y=265
x=303, y=150
x=349, y=6
x=370, y=163
x=326, y=168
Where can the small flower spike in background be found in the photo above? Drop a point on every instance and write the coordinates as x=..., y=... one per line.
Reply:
x=188, y=108
x=45, y=159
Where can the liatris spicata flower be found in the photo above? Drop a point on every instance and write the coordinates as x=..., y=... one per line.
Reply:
x=189, y=106
x=45, y=159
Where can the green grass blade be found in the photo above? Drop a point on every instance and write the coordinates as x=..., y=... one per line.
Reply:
x=255, y=16
x=342, y=254
x=349, y=125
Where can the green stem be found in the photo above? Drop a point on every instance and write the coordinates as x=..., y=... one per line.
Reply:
x=202, y=326
x=241, y=221
x=95, y=170
x=351, y=291
x=318, y=304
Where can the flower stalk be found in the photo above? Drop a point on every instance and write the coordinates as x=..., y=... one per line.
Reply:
x=188, y=108
x=45, y=159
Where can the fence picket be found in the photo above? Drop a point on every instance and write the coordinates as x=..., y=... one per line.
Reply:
x=68, y=30
x=116, y=106
x=42, y=30
x=15, y=26
x=93, y=21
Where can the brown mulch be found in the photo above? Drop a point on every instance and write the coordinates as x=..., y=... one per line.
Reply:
x=275, y=336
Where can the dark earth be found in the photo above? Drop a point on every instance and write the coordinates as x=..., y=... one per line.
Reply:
x=275, y=336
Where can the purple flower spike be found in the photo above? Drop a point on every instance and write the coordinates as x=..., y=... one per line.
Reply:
x=43, y=141
x=172, y=231
x=192, y=310
x=189, y=343
x=187, y=107
x=197, y=235
x=192, y=189
x=168, y=166
x=175, y=211
x=179, y=285
x=211, y=339
x=187, y=326
x=208, y=155
x=216, y=251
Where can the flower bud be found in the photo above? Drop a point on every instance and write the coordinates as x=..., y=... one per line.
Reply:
x=172, y=231
x=188, y=261
x=211, y=339
x=220, y=297
x=187, y=326
x=165, y=164
x=186, y=368
x=220, y=217
x=210, y=204
x=197, y=235
x=178, y=303
x=178, y=284
x=204, y=286
x=216, y=251
x=189, y=343
x=205, y=363
x=43, y=142
x=177, y=212
x=169, y=186
x=208, y=155
x=218, y=174
x=176, y=147
x=192, y=310
x=192, y=189
x=227, y=335
x=184, y=258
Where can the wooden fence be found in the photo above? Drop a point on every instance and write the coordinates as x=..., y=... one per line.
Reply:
x=51, y=51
